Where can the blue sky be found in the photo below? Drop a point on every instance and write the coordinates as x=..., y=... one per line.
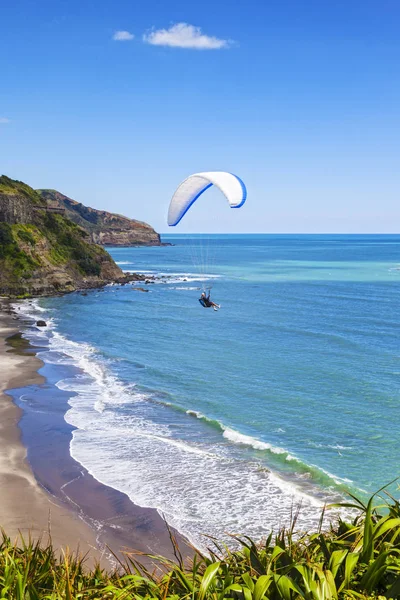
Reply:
x=299, y=98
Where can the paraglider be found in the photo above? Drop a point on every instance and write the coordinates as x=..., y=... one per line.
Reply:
x=195, y=185
x=190, y=190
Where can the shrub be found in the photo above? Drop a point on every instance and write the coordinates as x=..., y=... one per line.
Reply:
x=89, y=266
x=6, y=239
x=52, y=222
x=26, y=236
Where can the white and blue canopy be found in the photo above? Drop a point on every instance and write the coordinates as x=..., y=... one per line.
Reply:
x=193, y=187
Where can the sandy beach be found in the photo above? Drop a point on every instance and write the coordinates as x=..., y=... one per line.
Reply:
x=25, y=508
x=58, y=497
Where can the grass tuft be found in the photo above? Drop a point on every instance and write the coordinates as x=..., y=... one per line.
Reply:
x=355, y=560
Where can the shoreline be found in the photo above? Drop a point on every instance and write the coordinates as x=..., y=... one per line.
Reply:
x=25, y=508
x=57, y=492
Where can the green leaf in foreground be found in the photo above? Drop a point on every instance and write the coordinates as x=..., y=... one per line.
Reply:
x=355, y=559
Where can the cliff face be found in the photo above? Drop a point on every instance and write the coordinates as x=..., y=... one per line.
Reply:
x=105, y=228
x=44, y=252
x=15, y=209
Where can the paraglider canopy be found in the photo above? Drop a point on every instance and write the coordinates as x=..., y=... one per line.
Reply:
x=193, y=187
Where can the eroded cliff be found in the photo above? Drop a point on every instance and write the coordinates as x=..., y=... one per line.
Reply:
x=105, y=228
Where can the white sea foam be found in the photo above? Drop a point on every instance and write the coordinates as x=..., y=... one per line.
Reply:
x=30, y=308
x=330, y=446
x=247, y=440
x=239, y=438
x=173, y=278
x=196, y=413
x=32, y=311
x=336, y=479
x=184, y=287
x=191, y=449
x=103, y=387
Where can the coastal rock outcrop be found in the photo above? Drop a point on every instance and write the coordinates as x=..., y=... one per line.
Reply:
x=105, y=228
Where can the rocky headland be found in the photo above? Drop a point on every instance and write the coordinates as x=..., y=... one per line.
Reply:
x=44, y=251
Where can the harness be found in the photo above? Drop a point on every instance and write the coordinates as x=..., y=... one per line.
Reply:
x=205, y=303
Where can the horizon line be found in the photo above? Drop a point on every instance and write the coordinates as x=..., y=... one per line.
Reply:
x=277, y=233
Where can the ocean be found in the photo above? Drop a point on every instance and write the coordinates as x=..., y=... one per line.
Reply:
x=226, y=421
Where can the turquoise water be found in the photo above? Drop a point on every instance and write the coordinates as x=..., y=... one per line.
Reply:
x=225, y=420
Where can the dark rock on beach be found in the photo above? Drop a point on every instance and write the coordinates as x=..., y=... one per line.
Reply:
x=133, y=277
x=41, y=323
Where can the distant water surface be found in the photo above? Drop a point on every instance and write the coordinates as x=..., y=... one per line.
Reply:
x=224, y=420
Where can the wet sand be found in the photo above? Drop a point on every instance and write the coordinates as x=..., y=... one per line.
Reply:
x=52, y=493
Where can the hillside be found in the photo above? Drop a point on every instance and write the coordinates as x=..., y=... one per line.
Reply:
x=42, y=251
x=105, y=228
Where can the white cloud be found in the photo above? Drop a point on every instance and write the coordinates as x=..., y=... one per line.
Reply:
x=4, y=120
x=183, y=35
x=123, y=36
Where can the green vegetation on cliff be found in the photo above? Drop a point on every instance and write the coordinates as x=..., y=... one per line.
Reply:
x=358, y=559
x=13, y=187
x=42, y=252
x=14, y=260
x=69, y=244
